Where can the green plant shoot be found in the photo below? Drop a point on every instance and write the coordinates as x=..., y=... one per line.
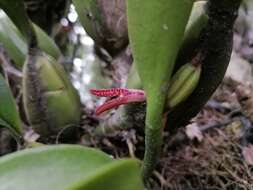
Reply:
x=9, y=116
x=156, y=29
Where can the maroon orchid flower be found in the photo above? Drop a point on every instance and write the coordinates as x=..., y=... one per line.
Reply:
x=119, y=97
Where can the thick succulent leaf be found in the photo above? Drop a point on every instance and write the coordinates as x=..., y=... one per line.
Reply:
x=197, y=21
x=50, y=79
x=9, y=116
x=12, y=40
x=198, y=13
x=119, y=175
x=46, y=43
x=68, y=167
x=62, y=109
x=89, y=16
x=133, y=80
x=59, y=99
x=4, y=124
x=15, y=9
x=15, y=44
x=67, y=82
x=62, y=98
x=156, y=30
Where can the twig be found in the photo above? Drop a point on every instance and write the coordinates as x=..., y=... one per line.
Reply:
x=163, y=182
x=6, y=65
x=130, y=147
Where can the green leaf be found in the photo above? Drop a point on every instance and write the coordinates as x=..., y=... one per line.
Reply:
x=68, y=167
x=9, y=116
x=15, y=44
x=156, y=29
x=197, y=21
x=89, y=16
x=60, y=99
x=15, y=9
x=46, y=43
x=12, y=40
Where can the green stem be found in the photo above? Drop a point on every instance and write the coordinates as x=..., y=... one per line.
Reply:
x=153, y=136
x=153, y=143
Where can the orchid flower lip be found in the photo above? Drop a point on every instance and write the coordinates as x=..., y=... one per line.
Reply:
x=120, y=96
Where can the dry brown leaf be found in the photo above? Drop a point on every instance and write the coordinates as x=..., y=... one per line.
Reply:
x=193, y=131
x=248, y=154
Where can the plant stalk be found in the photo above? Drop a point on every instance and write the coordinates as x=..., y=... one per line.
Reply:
x=153, y=144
